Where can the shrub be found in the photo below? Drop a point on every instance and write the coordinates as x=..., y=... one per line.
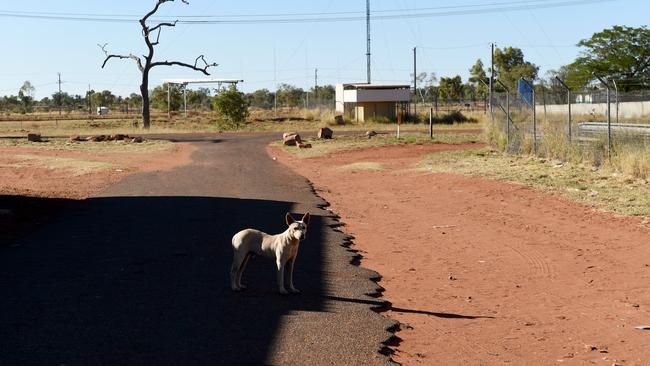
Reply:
x=453, y=117
x=382, y=120
x=232, y=106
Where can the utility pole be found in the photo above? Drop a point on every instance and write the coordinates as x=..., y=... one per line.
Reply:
x=60, y=96
x=275, y=83
x=316, y=100
x=492, y=80
x=368, y=37
x=415, y=83
x=90, y=102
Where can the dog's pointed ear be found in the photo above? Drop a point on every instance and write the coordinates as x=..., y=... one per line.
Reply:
x=306, y=218
x=290, y=220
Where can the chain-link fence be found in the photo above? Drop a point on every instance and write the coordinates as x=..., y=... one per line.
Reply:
x=578, y=125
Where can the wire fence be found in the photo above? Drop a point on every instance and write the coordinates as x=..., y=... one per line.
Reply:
x=586, y=124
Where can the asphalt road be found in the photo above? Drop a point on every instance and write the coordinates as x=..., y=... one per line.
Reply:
x=139, y=275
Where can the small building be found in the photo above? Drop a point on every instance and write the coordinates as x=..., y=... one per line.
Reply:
x=363, y=101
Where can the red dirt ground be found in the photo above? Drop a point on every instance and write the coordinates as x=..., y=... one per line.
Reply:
x=549, y=281
x=33, y=179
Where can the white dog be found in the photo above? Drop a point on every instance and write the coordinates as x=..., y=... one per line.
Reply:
x=282, y=247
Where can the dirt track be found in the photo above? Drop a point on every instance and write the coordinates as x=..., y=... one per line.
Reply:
x=489, y=273
x=138, y=275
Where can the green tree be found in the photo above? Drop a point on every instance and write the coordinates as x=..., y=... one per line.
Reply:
x=290, y=96
x=159, y=98
x=478, y=79
x=10, y=103
x=323, y=95
x=261, y=98
x=134, y=100
x=26, y=96
x=232, y=105
x=428, y=91
x=554, y=89
x=63, y=100
x=451, y=88
x=620, y=53
x=105, y=98
x=199, y=99
x=510, y=66
x=470, y=92
x=420, y=92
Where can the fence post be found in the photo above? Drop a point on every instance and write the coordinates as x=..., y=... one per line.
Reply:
x=532, y=87
x=609, y=124
x=431, y=123
x=507, y=112
x=568, y=99
x=616, y=89
x=609, y=117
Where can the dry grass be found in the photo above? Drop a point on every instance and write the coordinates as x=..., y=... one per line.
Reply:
x=604, y=188
x=363, y=165
x=633, y=160
x=345, y=143
x=630, y=153
x=90, y=147
x=286, y=120
x=75, y=167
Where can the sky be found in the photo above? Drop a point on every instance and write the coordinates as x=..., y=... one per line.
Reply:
x=449, y=35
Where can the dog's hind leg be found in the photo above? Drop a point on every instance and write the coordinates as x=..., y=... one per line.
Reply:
x=290, y=264
x=237, y=260
x=240, y=272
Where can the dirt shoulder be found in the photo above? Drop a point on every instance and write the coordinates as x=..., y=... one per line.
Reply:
x=487, y=272
x=80, y=170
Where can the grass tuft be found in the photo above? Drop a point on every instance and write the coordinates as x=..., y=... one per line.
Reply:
x=363, y=165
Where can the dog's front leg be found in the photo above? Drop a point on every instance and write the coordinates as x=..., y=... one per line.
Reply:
x=281, y=266
x=290, y=264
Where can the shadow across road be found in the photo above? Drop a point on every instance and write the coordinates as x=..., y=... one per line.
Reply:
x=145, y=281
x=381, y=306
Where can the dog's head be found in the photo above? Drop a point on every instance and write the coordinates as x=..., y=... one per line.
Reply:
x=298, y=229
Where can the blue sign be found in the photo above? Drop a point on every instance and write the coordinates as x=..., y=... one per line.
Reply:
x=525, y=91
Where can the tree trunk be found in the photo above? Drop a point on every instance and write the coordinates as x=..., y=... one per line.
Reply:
x=144, y=90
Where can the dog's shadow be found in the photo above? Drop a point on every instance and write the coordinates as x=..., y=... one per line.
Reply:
x=381, y=306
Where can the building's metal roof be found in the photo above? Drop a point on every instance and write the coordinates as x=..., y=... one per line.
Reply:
x=203, y=81
x=376, y=86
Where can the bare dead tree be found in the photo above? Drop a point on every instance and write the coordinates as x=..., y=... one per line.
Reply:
x=151, y=36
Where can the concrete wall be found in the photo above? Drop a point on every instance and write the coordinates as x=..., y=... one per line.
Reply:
x=626, y=109
x=340, y=103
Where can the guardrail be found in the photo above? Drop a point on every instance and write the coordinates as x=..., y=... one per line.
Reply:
x=588, y=131
x=594, y=127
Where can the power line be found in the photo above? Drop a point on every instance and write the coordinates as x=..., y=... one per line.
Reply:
x=476, y=45
x=248, y=15
x=287, y=19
